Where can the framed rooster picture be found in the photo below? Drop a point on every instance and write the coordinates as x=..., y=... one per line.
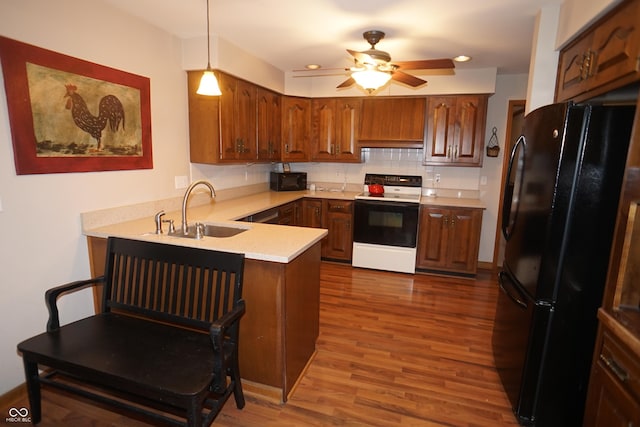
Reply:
x=71, y=115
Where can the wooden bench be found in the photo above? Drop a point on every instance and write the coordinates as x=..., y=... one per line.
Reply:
x=165, y=343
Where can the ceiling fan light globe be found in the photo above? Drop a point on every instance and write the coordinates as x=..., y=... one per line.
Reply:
x=209, y=85
x=370, y=79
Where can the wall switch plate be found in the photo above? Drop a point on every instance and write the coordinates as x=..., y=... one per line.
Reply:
x=0, y=205
x=437, y=177
x=483, y=180
x=181, y=182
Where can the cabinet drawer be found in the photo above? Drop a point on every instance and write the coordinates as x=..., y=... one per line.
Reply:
x=622, y=364
x=339, y=206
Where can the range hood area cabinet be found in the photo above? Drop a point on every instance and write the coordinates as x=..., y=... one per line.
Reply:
x=392, y=122
x=455, y=130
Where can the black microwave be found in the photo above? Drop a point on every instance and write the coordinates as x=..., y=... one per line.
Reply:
x=288, y=181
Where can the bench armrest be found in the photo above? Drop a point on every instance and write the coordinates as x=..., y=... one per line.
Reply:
x=218, y=329
x=51, y=297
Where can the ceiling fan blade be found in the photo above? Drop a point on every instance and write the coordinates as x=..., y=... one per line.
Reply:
x=346, y=83
x=362, y=58
x=425, y=64
x=407, y=79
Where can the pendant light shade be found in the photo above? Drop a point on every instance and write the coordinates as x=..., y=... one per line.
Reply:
x=208, y=82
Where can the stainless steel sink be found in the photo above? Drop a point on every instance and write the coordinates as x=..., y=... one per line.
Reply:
x=208, y=230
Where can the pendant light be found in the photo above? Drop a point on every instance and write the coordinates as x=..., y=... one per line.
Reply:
x=208, y=83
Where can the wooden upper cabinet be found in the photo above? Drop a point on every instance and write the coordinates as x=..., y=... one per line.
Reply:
x=455, y=130
x=204, y=123
x=296, y=121
x=237, y=119
x=392, y=122
x=606, y=54
x=269, y=125
x=334, y=129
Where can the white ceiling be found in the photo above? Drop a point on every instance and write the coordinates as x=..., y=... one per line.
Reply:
x=289, y=34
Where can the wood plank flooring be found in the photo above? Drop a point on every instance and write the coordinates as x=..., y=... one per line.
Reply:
x=394, y=350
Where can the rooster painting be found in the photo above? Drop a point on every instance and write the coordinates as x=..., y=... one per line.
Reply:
x=109, y=110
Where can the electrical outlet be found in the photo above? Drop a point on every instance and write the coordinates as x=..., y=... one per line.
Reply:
x=437, y=177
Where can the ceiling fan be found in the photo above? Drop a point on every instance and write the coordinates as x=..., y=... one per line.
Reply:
x=373, y=68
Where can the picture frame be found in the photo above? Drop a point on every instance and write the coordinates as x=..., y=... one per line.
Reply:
x=71, y=115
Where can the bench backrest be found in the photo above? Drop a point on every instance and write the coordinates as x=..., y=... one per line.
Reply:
x=189, y=286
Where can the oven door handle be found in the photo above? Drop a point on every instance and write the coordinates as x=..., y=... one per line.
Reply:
x=387, y=203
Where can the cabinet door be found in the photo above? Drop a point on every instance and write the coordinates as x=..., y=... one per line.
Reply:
x=616, y=45
x=339, y=219
x=346, y=129
x=392, y=122
x=237, y=118
x=433, y=237
x=312, y=213
x=471, y=115
x=204, y=123
x=608, y=403
x=464, y=240
x=323, y=126
x=440, y=135
x=268, y=125
x=455, y=130
x=573, y=69
x=448, y=239
x=296, y=121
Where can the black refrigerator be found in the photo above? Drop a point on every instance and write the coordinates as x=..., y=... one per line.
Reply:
x=560, y=205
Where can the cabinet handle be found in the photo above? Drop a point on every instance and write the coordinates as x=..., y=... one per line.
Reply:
x=615, y=368
x=338, y=149
x=332, y=149
x=455, y=152
x=453, y=222
x=445, y=220
x=286, y=148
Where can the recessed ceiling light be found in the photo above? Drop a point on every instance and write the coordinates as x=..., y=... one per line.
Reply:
x=312, y=66
x=462, y=58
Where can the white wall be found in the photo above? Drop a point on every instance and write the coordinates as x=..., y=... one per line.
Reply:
x=41, y=243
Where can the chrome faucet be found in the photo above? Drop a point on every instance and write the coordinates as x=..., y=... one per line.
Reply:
x=187, y=193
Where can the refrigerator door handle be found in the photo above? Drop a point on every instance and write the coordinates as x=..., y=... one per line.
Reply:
x=519, y=300
x=512, y=187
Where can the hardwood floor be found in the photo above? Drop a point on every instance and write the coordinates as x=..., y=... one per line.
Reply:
x=394, y=350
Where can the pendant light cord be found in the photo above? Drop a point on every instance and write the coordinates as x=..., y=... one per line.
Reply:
x=208, y=40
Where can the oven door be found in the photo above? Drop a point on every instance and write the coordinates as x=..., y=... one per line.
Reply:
x=385, y=223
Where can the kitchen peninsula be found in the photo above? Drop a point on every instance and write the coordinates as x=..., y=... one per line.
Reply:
x=281, y=281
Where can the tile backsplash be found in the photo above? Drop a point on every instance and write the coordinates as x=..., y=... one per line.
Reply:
x=404, y=161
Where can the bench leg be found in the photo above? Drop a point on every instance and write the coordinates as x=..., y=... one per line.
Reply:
x=194, y=413
x=33, y=389
x=238, y=395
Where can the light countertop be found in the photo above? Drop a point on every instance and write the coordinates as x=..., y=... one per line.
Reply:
x=266, y=242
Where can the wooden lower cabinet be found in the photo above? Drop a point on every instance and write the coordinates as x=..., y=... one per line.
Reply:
x=337, y=217
x=289, y=214
x=279, y=329
x=338, y=220
x=449, y=239
x=614, y=386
